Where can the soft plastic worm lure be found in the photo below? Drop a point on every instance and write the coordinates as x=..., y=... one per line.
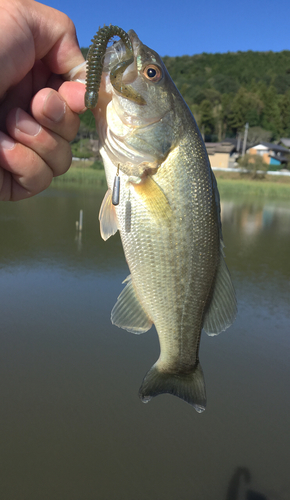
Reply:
x=95, y=63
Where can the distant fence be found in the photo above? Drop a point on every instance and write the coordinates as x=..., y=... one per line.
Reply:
x=243, y=170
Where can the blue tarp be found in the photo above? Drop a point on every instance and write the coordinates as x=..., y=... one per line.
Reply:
x=273, y=161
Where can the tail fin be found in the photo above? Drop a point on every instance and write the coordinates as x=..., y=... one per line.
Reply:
x=189, y=386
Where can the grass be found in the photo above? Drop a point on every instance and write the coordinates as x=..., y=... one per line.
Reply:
x=82, y=172
x=233, y=183
x=229, y=183
x=254, y=188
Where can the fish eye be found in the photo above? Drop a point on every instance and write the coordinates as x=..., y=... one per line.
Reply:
x=152, y=73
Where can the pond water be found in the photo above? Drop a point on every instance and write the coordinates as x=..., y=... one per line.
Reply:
x=72, y=425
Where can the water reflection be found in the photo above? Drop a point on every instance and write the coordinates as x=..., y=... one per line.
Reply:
x=43, y=228
x=239, y=486
x=254, y=217
x=72, y=426
x=79, y=230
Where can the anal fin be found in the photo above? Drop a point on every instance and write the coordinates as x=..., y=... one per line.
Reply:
x=128, y=313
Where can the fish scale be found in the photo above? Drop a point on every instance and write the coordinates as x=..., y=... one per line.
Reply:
x=163, y=281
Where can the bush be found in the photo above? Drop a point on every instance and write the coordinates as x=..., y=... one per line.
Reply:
x=80, y=149
x=275, y=168
x=97, y=165
x=254, y=164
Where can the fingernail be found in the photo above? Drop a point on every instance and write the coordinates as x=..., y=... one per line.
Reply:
x=26, y=124
x=54, y=107
x=6, y=142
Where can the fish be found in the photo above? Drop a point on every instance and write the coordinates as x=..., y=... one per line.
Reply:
x=163, y=199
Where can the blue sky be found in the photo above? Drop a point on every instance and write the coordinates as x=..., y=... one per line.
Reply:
x=187, y=27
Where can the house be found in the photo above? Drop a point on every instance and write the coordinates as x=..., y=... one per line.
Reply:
x=219, y=153
x=273, y=154
x=285, y=142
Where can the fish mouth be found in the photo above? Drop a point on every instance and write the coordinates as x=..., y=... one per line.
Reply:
x=117, y=52
x=131, y=73
x=123, y=74
x=114, y=55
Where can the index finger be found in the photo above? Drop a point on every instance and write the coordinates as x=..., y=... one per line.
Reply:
x=54, y=37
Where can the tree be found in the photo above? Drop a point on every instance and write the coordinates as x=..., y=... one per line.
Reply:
x=254, y=164
x=246, y=108
x=270, y=118
x=225, y=114
x=207, y=121
x=284, y=107
x=258, y=134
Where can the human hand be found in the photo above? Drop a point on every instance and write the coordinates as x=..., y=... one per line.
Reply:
x=38, y=110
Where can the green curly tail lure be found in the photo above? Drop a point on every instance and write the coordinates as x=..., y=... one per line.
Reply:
x=95, y=63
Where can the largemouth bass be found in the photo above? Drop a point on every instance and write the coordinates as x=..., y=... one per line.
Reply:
x=168, y=216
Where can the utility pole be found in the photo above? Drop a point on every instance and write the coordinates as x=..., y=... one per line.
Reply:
x=238, y=142
x=245, y=139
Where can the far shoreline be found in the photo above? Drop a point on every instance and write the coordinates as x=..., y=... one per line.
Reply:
x=229, y=182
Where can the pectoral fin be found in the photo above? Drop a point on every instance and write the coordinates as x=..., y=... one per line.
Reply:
x=107, y=217
x=223, y=307
x=128, y=313
x=152, y=196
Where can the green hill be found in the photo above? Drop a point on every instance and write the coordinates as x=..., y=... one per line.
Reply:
x=224, y=91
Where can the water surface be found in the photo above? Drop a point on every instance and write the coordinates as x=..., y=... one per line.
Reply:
x=72, y=426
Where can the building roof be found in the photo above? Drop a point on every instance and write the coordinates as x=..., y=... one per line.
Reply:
x=285, y=141
x=271, y=146
x=219, y=147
